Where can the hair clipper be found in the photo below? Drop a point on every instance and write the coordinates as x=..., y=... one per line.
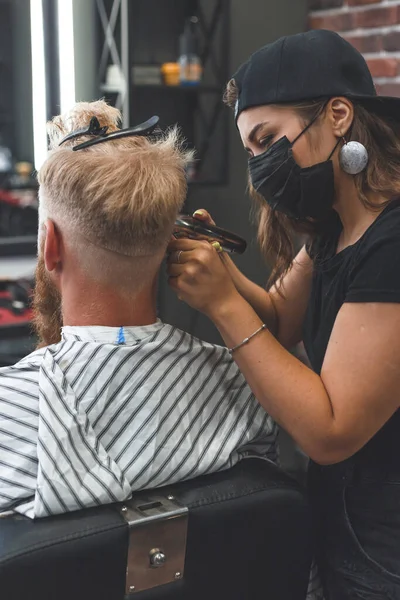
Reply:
x=195, y=229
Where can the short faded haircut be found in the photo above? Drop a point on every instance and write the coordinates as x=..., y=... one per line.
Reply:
x=122, y=195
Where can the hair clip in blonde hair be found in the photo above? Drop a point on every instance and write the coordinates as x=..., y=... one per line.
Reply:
x=100, y=133
x=94, y=128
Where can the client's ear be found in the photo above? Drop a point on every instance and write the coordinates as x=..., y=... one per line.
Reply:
x=52, y=246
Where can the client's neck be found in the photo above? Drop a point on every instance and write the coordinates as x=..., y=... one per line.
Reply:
x=94, y=304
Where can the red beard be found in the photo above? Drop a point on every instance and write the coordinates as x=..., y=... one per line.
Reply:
x=47, y=320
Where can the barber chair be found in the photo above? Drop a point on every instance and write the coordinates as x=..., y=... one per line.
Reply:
x=241, y=534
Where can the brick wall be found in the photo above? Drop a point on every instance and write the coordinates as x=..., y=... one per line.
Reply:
x=373, y=27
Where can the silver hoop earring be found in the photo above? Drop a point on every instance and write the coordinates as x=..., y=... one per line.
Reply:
x=353, y=157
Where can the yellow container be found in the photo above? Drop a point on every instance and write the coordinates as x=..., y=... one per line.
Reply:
x=171, y=73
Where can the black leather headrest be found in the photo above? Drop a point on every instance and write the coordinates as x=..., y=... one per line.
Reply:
x=248, y=538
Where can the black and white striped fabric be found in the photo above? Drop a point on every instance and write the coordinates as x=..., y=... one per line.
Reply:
x=108, y=411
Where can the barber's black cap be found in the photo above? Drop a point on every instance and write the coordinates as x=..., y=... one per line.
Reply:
x=308, y=66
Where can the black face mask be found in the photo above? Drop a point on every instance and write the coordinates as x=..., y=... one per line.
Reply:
x=296, y=192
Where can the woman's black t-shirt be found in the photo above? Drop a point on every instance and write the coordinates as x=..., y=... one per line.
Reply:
x=349, y=498
x=367, y=271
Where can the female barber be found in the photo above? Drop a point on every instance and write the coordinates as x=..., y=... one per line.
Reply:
x=324, y=159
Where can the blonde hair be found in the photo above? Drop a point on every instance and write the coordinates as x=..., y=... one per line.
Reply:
x=120, y=196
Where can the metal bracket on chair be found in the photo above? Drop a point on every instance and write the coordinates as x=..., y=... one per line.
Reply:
x=157, y=541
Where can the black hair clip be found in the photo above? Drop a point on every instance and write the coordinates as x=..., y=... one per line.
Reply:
x=100, y=133
x=93, y=128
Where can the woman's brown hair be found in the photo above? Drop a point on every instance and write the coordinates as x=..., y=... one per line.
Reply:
x=277, y=232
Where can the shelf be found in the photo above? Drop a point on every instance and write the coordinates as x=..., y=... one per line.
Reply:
x=148, y=35
x=183, y=89
x=16, y=330
x=180, y=89
x=18, y=246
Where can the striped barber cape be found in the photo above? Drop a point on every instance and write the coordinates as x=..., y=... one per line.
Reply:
x=111, y=410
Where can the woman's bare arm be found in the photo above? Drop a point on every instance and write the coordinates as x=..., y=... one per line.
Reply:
x=331, y=415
